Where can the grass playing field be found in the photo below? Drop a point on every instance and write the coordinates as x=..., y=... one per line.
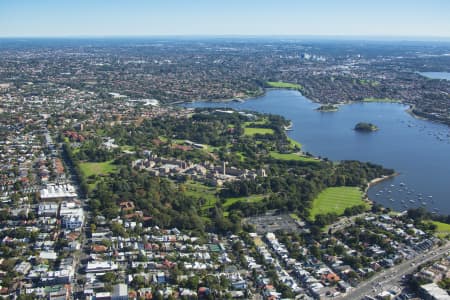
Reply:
x=253, y=131
x=336, y=199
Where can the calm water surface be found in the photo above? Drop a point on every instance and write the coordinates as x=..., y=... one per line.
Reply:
x=419, y=150
x=436, y=75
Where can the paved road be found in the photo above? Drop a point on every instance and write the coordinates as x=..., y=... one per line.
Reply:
x=393, y=276
x=77, y=255
x=345, y=222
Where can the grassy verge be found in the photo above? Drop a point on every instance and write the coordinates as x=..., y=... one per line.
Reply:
x=294, y=143
x=284, y=85
x=127, y=148
x=336, y=200
x=240, y=155
x=210, y=148
x=295, y=217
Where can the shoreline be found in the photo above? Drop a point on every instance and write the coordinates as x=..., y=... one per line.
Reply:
x=410, y=111
x=264, y=92
x=374, y=182
x=226, y=100
x=407, y=108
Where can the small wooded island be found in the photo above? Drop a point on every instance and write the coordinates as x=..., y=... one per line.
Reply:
x=328, y=108
x=365, y=127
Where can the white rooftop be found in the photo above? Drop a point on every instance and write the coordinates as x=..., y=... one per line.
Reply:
x=53, y=191
x=48, y=255
x=435, y=291
x=101, y=265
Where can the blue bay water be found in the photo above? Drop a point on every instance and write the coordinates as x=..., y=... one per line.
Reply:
x=436, y=75
x=418, y=149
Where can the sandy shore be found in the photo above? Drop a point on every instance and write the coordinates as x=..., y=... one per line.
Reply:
x=374, y=182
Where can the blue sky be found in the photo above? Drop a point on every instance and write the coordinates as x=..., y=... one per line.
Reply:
x=426, y=18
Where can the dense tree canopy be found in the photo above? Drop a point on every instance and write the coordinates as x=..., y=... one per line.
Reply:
x=290, y=185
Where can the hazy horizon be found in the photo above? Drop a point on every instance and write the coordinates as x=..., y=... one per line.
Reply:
x=343, y=38
x=383, y=19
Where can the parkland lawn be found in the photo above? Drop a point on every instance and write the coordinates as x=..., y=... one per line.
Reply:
x=252, y=198
x=198, y=190
x=262, y=121
x=442, y=229
x=98, y=168
x=336, y=199
x=283, y=85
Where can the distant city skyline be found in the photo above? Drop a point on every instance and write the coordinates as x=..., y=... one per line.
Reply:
x=102, y=18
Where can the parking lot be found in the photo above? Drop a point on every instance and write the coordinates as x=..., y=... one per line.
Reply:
x=272, y=223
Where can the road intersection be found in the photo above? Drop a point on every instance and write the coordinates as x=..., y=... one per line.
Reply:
x=392, y=277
